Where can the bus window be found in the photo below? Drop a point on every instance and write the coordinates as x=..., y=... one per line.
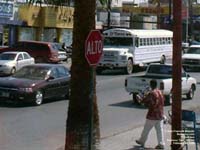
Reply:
x=137, y=42
x=141, y=42
x=118, y=41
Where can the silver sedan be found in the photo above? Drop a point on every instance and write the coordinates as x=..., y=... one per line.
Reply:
x=12, y=61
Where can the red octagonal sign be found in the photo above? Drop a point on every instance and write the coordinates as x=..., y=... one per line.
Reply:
x=93, y=47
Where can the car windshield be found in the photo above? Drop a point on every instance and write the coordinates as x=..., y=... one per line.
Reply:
x=34, y=73
x=193, y=50
x=7, y=56
x=158, y=69
x=118, y=41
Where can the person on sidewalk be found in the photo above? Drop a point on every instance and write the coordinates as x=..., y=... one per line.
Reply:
x=154, y=100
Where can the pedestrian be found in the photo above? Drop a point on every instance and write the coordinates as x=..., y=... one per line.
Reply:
x=154, y=100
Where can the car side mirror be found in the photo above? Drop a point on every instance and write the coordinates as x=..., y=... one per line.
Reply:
x=48, y=78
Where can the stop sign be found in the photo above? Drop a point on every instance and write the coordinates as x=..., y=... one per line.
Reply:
x=93, y=47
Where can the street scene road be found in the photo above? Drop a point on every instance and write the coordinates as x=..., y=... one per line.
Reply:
x=24, y=127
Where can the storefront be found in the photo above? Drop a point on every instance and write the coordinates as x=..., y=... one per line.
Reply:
x=46, y=23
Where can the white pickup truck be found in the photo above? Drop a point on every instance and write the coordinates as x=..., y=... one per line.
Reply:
x=162, y=73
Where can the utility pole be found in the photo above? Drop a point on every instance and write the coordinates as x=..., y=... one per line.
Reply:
x=176, y=88
x=158, y=14
x=191, y=19
x=109, y=13
x=170, y=14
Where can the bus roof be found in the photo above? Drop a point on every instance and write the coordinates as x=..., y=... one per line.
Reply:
x=141, y=33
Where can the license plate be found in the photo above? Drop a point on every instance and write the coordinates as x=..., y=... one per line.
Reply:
x=4, y=94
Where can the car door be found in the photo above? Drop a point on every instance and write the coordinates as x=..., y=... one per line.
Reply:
x=64, y=80
x=185, y=85
x=20, y=61
x=27, y=59
x=53, y=85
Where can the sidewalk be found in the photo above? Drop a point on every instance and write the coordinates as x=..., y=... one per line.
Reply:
x=126, y=140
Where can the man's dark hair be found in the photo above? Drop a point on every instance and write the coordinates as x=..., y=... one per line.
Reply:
x=153, y=84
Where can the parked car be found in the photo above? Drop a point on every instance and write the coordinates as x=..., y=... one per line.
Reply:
x=162, y=73
x=12, y=61
x=191, y=58
x=35, y=83
x=62, y=54
x=43, y=52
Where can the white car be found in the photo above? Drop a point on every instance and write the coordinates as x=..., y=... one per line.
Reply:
x=191, y=58
x=12, y=61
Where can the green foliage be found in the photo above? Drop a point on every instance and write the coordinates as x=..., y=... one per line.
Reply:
x=104, y=3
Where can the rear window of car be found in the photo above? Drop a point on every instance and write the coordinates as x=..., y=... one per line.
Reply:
x=18, y=45
x=30, y=45
x=36, y=46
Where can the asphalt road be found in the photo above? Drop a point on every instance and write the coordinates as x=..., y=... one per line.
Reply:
x=43, y=128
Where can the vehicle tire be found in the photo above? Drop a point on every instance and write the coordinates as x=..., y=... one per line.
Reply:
x=163, y=59
x=129, y=67
x=135, y=101
x=13, y=70
x=38, y=98
x=190, y=94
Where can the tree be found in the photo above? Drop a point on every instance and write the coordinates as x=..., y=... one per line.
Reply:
x=107, y=5
x=77, y=125
x=77, y=130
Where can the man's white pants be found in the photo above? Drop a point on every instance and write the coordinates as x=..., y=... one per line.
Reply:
x=149, y=124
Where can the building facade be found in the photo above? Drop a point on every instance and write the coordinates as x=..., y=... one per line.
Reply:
x=20, y=21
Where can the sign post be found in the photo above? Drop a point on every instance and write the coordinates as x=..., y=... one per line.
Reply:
x=93, y=52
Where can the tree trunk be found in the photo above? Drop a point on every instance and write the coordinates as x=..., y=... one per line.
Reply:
x=78, y=121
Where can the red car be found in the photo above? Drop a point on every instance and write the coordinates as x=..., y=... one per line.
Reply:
x=43, y=52
x=36, y=83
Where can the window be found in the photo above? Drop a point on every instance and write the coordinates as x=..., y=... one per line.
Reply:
x=26, y=56
x=62, y=72
x=118, y=41
x=20, y=57
x=54, y=73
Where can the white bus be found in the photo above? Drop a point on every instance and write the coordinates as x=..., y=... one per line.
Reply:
x=126, y=48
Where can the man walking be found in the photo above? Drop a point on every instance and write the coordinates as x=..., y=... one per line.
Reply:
x=154, y=118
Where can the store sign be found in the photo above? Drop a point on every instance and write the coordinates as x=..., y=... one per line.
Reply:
x=6, y=10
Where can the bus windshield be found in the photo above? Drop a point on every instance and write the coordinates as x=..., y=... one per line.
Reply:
x=118, y=41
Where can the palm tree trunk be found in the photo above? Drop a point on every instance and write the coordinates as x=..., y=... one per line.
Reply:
x=77, y=130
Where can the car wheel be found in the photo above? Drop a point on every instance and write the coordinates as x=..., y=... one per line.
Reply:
x=129, y=67
x=13, y=70
x=190, y=94
x=38, y=98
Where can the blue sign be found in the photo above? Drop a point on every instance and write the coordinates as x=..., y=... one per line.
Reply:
x=6, y=10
